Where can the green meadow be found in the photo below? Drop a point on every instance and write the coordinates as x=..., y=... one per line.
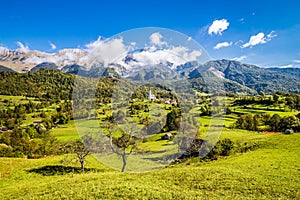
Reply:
x=269, y=172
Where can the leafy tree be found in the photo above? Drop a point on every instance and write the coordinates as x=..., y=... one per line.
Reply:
x=289, y=122
x=119, y=116
x=246, y=122
x=173, y=120
x=256, y=121
x=11, y=123
x=122, y=146
x=6, y=151
x=43, y=114
x=222, y=148
x=276, y=98
x=47, y=143
x=31, y=131
x=206, y=110
x=274, y=122
x=81, y=152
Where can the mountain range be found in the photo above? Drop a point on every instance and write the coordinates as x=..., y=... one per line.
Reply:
x=232, y=76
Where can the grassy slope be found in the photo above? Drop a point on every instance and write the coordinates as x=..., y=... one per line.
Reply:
x=14, y=100
x=270, y=172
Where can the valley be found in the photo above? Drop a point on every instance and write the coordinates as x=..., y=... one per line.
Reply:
x=253, y=154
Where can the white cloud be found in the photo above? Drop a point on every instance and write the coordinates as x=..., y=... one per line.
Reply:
x=177, y=55
x=3, y=50
x=133, y=43
x=104, y=51
x=255, y=40
x=240, y=59
x=260, y=38
x=63, y=57
x=286, y=66
x=155, y=39
x=189, y=39
x=53, y=46
x=222, y=44
x=239, y=42
x=114, y=51
x=296, y=61
x=271, y=35
x=218, y=26
x=22, y=48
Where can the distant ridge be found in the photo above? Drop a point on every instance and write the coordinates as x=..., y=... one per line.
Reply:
x=229, y=75
x=5, y=69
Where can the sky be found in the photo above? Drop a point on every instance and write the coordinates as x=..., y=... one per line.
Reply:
x=261, y=32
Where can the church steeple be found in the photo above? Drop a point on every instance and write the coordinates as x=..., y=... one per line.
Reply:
x=150, y=96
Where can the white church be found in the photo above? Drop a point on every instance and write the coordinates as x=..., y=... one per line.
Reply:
x=151, y=96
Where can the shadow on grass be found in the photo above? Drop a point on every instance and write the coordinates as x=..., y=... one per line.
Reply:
x=164, y=158
x=51, y=170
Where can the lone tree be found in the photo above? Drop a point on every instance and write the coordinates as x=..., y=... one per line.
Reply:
x=78, y=148
x=122, y=146
x=81, y=152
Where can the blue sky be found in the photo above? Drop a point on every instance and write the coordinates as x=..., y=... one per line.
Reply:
x=273, y=26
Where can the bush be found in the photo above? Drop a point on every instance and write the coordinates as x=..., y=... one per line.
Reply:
x=6, y=151
x=222, y=148
x=246, y=146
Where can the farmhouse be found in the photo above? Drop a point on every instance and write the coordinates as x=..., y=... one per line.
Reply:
x=288, y=131
x=170, y=101
x=167, y=136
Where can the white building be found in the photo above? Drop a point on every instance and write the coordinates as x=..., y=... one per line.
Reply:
x=151, y=96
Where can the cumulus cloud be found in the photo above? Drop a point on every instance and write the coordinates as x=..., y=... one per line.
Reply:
x=114, y=51
x=156, y=39
x=260, y=38
x=22, y=48
x=96, y=52
x=222, y=44
x=177, y=55
x=53, y=46
x=218, y=26
x=240, y=59
x=255, y=40
x=104, y=51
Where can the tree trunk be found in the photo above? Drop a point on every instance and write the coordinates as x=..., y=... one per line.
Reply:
x=82, y=164
x=124, y=158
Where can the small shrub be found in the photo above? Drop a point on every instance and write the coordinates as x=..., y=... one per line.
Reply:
x=222, y=148
x=6, y=151
x=246, y=146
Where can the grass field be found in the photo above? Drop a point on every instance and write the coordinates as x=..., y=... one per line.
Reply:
x=17, y=99
x=10, y=101
x=270, y=172
x=65, y=132
x=259, y=109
